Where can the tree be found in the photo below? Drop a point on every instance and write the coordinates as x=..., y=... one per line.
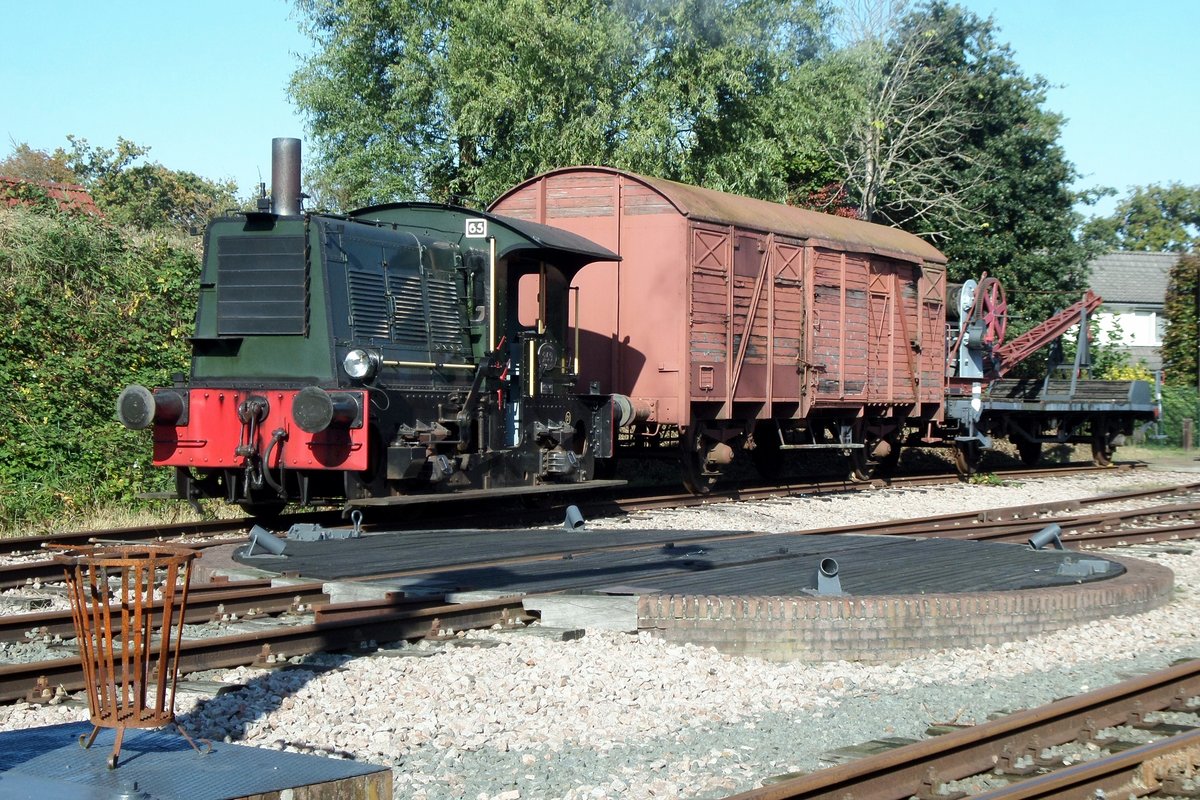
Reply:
x=460, y=99
x=1012, y=172
x=147, y=195
x=1182, y=311
x=27, y=164
x=901, y=143
x=1153, y=218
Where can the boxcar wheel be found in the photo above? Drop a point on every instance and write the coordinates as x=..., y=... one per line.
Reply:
x=859, y=465
x=692, y=458
x=1102, y=448
x=1030, y=452
x=767, y=455
x=967, y=456
x=886, y=466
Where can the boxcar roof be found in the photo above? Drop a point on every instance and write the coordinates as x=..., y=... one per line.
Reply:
x=709, y=205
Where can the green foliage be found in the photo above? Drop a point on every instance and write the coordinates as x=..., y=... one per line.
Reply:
x=458, y=99
x=1152, y=218
x=1014, y=176
x=1125, y=372
x=88, y=308
x=1182, y=312
x=27, y=164
x=1178, y=403
x=148, y=196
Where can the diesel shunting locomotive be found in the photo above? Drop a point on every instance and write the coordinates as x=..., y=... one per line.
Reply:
x=376, y=354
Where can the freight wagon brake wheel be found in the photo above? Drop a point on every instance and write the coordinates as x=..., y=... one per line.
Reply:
x=692, y=461
x=991, y=306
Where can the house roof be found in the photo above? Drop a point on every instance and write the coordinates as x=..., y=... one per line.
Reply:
x=1132, y=277
x=70, y=197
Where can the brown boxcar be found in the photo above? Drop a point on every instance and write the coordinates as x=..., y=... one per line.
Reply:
x=738, y=321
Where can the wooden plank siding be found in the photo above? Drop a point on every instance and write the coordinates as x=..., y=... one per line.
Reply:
x=731, y=308
x=838, y=325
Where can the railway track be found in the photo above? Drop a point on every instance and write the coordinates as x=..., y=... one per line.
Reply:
x=331, y=628
x=1013, y=746
x=28, y=564
x=348, y=625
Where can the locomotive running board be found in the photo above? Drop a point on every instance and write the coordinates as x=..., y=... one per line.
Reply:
x=482, y=494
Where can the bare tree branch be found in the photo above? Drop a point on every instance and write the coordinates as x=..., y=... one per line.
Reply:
x=905, y=148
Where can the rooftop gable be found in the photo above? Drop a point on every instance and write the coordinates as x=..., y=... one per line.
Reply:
x=1129, y=277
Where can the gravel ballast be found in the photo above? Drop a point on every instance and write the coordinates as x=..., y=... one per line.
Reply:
x=524, y=714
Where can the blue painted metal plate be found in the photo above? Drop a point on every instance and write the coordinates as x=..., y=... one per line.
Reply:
x=49, y=764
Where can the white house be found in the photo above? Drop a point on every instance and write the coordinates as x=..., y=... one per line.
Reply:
x=1134, y=288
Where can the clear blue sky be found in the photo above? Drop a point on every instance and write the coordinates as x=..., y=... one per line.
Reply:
x=203, y=84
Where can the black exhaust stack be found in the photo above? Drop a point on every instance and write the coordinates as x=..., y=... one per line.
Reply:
x=285, y=177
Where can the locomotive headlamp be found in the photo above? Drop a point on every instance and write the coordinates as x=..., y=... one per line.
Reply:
x=360, y=365
x=547, y=355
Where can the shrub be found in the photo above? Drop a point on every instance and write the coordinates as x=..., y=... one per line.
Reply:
x=88, y=308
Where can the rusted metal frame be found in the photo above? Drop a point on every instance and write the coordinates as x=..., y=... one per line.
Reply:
x=1134, y=772
x=106, y=672
x=132, y=688
x=902, y=772
x=169, y=612
x=751, y=313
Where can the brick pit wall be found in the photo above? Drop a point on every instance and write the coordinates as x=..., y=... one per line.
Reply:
x=888, y=629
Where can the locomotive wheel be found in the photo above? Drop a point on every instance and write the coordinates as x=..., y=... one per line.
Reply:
x=692, y=464
x=967, y=456
x=1030, y=452
x=263, y=509
x=1102, y=448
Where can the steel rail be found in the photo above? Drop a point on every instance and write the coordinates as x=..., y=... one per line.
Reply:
x=1157, y=767
x=921, y=768
x=206, y=601
x=755, y=491
x=332, y=633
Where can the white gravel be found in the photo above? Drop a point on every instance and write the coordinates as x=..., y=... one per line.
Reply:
x=516, y=715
